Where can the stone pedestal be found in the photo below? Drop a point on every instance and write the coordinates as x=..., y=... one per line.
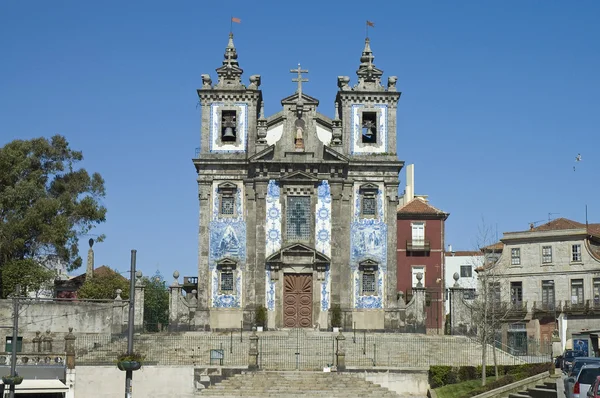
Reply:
x=340, y=354
x=70, y=349
x=253, y=351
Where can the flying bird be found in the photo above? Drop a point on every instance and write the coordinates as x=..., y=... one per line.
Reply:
x=577, y=159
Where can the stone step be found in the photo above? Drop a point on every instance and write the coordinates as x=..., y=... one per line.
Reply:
x=307, y=384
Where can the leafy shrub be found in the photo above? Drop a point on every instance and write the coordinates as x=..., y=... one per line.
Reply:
x=467, y=373
x=438, y=375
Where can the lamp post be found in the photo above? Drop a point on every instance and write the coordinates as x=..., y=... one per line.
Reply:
x=15, y=337
x=130, y=325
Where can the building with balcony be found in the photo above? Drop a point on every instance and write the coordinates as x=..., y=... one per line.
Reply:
x=547, y=278
x=421, y=251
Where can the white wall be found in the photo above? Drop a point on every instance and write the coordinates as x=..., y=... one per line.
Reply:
x=453, y=264
x=148, y=382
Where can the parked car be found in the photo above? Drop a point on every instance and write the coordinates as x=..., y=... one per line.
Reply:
x=568, y=358
x=586, y=377
x=594, y=391
x=578, y=363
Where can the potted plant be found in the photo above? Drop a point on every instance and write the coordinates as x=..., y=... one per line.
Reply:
x=260, y=318
x=336, y=317
x=130, y=361
x=9, y=380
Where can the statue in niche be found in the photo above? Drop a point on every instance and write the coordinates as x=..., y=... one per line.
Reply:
x=299, y=137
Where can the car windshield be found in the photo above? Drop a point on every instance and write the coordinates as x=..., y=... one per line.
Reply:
x=573, y=354
x=578, y=364
x=588, y=375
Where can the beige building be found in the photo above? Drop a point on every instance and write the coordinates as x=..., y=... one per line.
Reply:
x=549, y=279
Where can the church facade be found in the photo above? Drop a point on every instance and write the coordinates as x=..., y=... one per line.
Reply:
x=297, y=210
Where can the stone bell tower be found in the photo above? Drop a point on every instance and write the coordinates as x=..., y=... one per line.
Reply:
x=229, y=121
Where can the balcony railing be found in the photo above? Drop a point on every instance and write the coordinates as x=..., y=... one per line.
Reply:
x=567, y=306
x=190, y=283
x=414, y=245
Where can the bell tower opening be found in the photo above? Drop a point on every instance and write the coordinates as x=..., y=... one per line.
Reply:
x=228, y=126
x=369, y=128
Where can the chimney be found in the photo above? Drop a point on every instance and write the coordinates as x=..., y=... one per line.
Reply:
x=89, y=272
x=410, y=183
x=450, y=249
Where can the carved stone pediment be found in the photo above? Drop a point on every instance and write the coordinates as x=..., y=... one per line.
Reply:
x=298, y=177
x=368, y=265
x=295, y=254
x=369, y=187
x=226, y=264
x=306, y=100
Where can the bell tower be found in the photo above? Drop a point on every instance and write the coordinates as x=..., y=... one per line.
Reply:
x=368, y=110
x=229, y=108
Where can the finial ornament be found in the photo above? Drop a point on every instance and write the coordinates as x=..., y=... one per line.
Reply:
x=299, y=79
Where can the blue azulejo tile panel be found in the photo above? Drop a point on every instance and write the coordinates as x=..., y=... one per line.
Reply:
x=273, y=237
x=215, y=128
x=326, y=291
x=323, y=235
x=368, y=240
x=227, y=239
x=226, y=300
x=356, y=145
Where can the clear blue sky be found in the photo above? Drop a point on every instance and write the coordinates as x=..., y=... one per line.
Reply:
x=498, y=99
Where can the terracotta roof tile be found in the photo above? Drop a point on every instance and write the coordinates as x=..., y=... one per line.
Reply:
x=420, y=206
x=495, y=246
x=559, y=224
x=462, y=253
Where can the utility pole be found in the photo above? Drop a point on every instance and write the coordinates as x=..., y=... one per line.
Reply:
x=129, y=373
x=15, y=336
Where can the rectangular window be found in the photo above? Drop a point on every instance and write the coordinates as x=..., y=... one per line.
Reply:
x=227, y=205
x=228, y=126
x=369, y=128
x=466, y=271
x=596, y=287
x=469, y=294
x=298, y=218
x=369, y=206
x=516, y=293
x=415, y=272
x=418, y=234
x=515, y=256
x=576, y=291
x=575, y=253
x=548, y=295
x=227, y=281
x=546, y=254
x=368, y=283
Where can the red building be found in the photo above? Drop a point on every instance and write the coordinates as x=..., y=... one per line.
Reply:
x=421, y=250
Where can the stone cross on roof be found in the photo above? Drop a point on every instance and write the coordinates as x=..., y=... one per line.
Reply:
x=299, y=79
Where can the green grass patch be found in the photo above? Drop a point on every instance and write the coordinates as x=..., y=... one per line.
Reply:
x=459, y=390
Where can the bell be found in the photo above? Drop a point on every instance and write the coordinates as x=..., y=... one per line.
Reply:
x=228, y=135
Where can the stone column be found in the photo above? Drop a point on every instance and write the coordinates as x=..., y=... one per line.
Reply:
x=392, y=315
x=174, y=295
x=346, y=282
x=139, y=304
x=117, y=315
x=340, y=353
x=337, y=246
x=202, y=318
x=70, y=349
x=419, y=301
x=253, y=271
x=253, y=351
x=260, y=236
x=89, y=272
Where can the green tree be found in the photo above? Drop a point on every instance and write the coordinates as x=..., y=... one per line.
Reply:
x=46, y=203
x=156, y=304
x=104, y=286
x=29, y=274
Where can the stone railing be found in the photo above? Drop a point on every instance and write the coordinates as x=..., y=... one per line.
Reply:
x=34, y=358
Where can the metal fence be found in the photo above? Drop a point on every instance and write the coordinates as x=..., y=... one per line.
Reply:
x=299, y=349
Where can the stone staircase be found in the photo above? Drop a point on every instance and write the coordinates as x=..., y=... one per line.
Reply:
x=296, y=384
x=547, y=389
x=277, y=349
